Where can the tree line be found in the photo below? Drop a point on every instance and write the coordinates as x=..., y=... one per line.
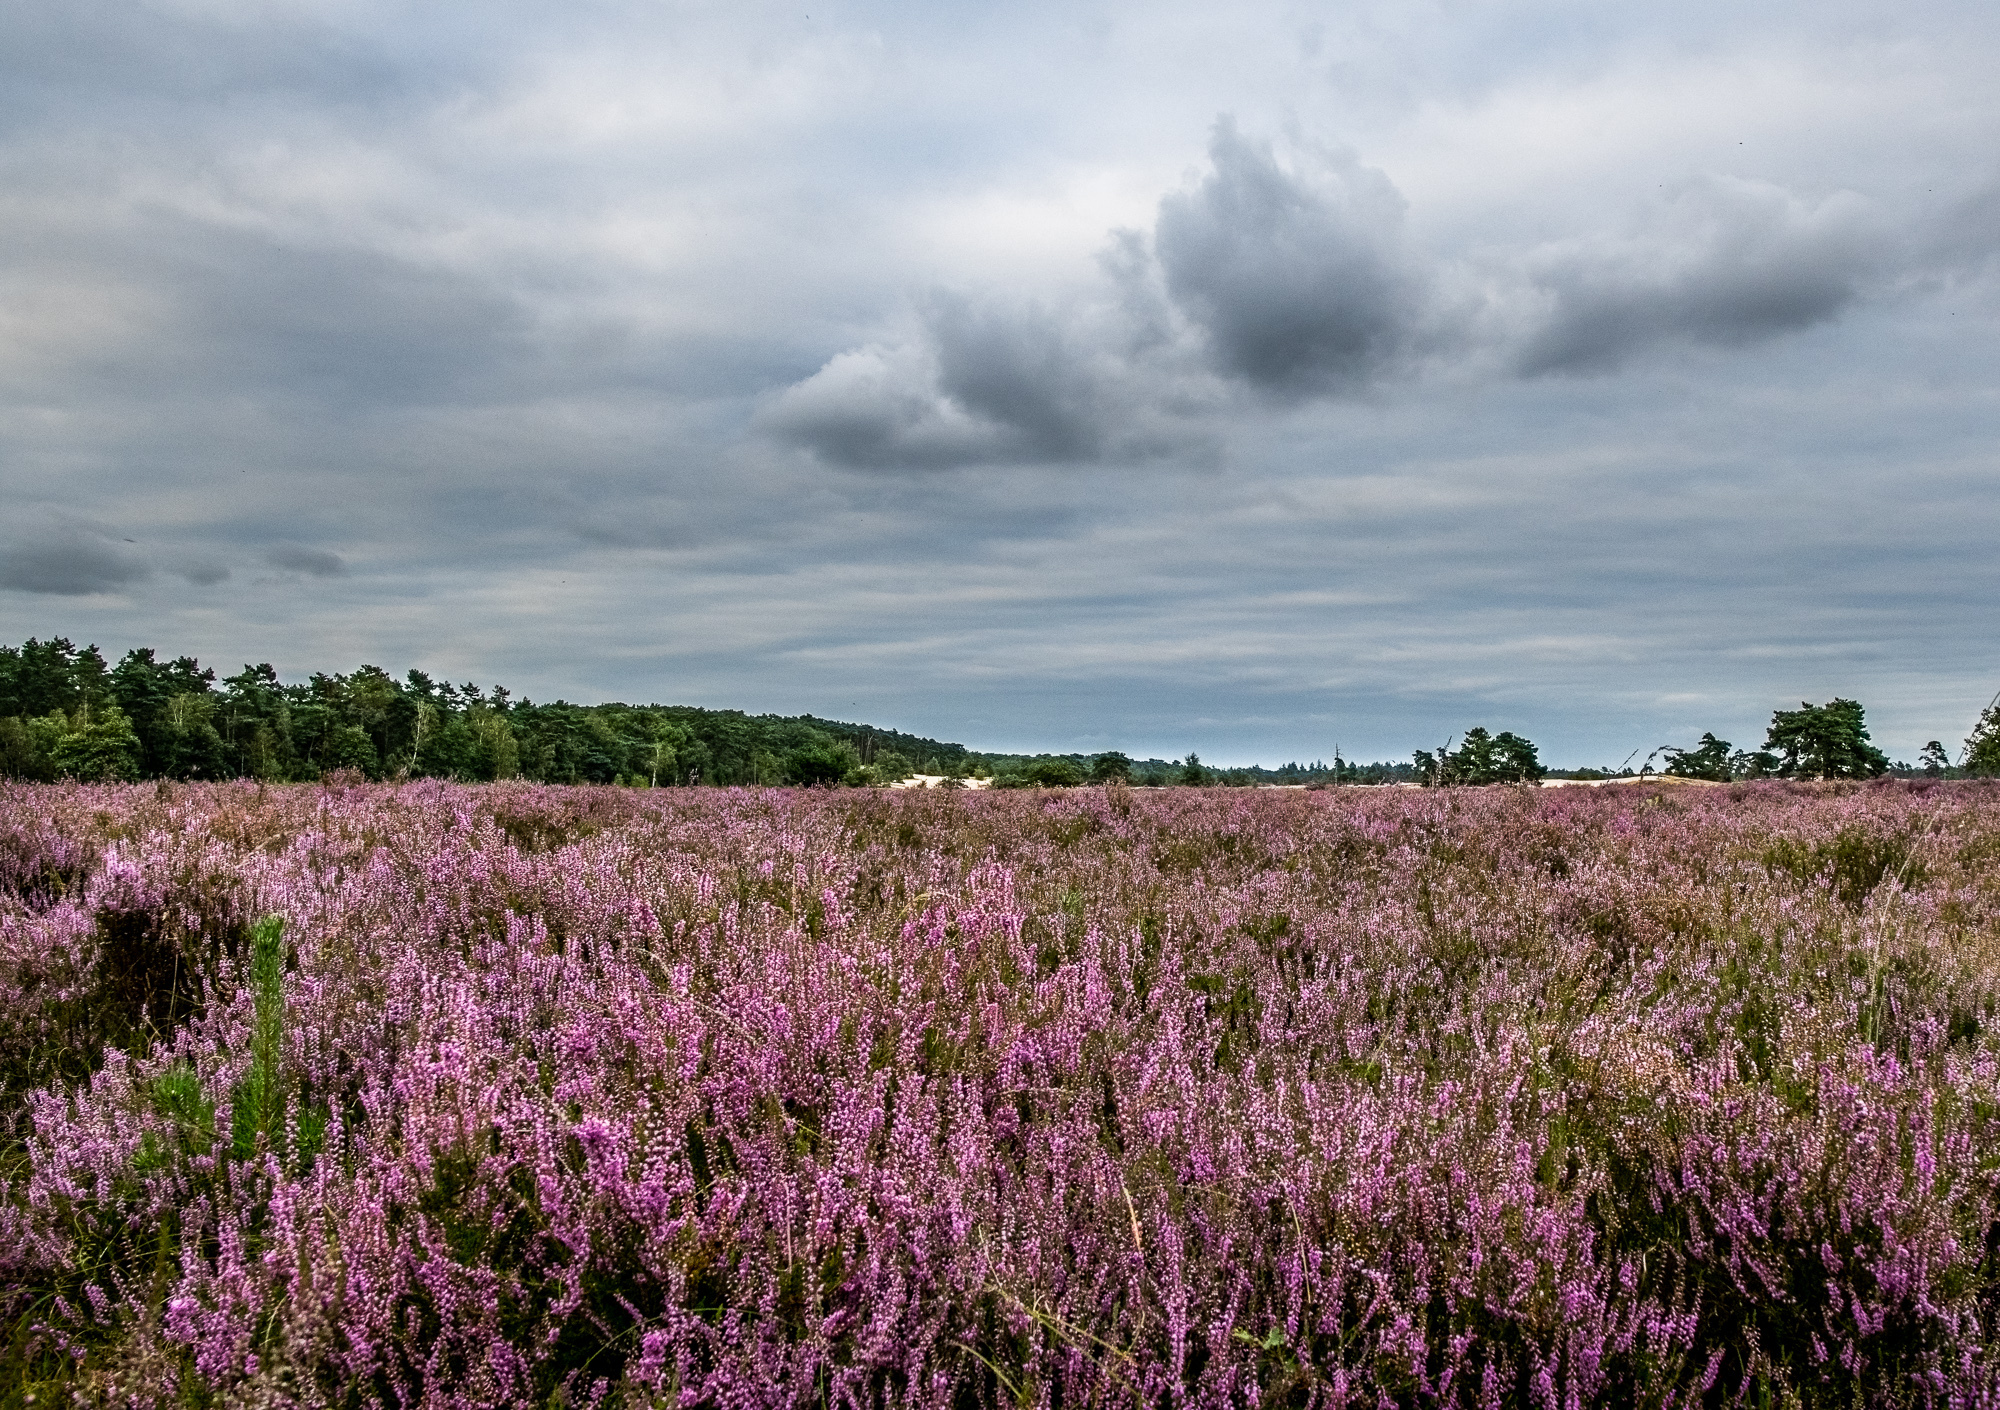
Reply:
x=65, y=712
x=1818, y=742
x=1821, y=742
x=1827, y=741
x=1070, y=770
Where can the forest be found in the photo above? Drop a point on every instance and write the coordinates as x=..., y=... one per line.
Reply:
x=66, y=713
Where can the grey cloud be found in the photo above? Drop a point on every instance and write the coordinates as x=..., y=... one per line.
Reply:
x=627, y=528
x=1147, y=317
x=880, y=407
x=1293, y=282
x=261, y=281
x=1967, y=235
x=979, y=385
x=68, y=559
x=181, y=309
x=78, y=58
x=1723, y=263
x=297, y=558
x=1297, y=280
x=344, y=326
x=1019, y=374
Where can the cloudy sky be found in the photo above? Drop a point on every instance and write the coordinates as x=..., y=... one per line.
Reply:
x=1260, y=379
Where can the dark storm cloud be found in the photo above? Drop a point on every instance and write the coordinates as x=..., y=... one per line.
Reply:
x=1298, y=281
x=67, y=559
x=1726, y=263
x=297, y=558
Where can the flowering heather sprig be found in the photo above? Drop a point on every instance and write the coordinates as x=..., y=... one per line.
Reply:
x=1474, y=1097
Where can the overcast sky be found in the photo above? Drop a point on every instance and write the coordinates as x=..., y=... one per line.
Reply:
x=1258, y=379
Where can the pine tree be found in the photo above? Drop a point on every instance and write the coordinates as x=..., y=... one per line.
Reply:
x=1824, y=741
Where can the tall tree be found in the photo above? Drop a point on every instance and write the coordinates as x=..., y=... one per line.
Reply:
x=50, y=675
x=1481, y=758
x=1824, y=741
x=255, y=723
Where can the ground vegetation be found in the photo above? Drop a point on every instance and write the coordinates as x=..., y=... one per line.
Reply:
x=356, y=1095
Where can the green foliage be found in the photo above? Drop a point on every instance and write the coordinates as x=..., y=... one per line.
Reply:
x=1982, y=748
x=257, y=1106
x=876, y=766
x=42, y=676
x=179, y=1096
x=172, y=709
x=1052, y=773
x=1758, y=764
x=1707, y=760
x=100, y=746
x=27, y=746
x=349, y=747
x=1163, y=773
x=189, y=724
x=1824, y=741
x=1853, y=862
x=1110, y=765
x=818, y=762
x=64, y=714
x=1481, y=759
x=96, y=745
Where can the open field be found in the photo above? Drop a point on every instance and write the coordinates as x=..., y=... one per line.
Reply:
x=535, y=1095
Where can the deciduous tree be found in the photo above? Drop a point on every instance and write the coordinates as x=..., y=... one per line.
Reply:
x=1109, y=765
x=100, y=746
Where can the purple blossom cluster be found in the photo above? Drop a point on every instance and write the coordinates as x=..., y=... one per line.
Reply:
x=494, y=1095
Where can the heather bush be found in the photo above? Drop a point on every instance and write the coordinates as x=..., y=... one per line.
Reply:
x=496, y=1095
